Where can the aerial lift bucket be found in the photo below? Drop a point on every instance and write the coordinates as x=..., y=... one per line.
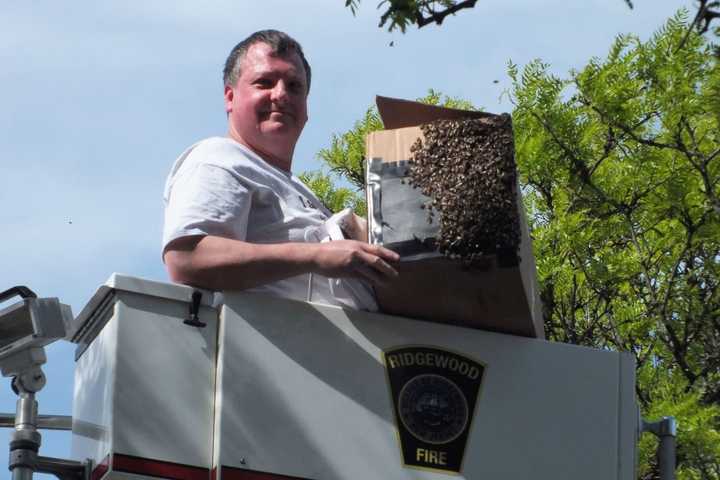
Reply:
x=175, y=383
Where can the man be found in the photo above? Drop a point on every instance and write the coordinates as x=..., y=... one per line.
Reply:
x=237, y=219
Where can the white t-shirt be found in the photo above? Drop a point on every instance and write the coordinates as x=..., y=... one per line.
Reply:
x=220, y=187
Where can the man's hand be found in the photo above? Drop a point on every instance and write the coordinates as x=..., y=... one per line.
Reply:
x=350, y=258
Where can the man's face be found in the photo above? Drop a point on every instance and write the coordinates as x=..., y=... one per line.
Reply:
x=267, y=107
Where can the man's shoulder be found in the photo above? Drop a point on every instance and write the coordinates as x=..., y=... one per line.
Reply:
x=220, y=152
x=225, y=157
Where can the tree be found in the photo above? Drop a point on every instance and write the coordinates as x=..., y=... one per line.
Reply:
x=620, y=169
x=621, y=165
x=335, y=198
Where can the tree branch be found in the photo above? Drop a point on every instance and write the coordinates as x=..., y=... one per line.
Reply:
x=700, y=166
x=438, y=17
x=627, y=130
x=705, y=15
x=580, y=168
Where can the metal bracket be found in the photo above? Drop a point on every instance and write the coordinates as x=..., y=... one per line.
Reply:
x=64, y=469
x=666, y=431
x=44, y=422
x=194, y=309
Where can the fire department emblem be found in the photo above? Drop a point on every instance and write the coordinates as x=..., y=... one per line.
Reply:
x=433, y=409
x=434, y=393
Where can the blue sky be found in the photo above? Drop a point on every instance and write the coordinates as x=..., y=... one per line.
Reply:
x=99, y=98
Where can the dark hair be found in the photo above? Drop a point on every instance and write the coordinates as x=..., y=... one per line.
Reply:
x=280, y=43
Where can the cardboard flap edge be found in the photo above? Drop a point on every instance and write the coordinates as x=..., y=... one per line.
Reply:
x=399, y=113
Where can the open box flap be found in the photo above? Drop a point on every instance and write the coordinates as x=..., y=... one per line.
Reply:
x=398, y=113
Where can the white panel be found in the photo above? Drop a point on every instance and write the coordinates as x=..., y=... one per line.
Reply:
x=304, y=393
x=164, y=385
x=629, y=420
x=93, y=392
x=145, y=384
x=298, y=408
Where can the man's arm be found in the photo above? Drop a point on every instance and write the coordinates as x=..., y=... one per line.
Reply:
x=218, y=263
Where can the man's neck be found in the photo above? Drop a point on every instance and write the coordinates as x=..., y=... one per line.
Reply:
x=283, y=162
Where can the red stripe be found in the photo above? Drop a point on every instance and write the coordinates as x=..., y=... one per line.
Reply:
x=157, y=468
x=230, y=473
x=100, y=469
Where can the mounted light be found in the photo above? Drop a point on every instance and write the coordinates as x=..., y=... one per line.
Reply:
x=28, y=325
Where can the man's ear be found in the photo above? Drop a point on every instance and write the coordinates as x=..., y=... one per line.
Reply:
x=229, y=95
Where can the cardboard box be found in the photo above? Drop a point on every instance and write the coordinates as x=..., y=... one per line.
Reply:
x=498, y=292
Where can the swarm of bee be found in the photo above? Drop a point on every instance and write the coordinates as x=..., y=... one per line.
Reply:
x=467, y=169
